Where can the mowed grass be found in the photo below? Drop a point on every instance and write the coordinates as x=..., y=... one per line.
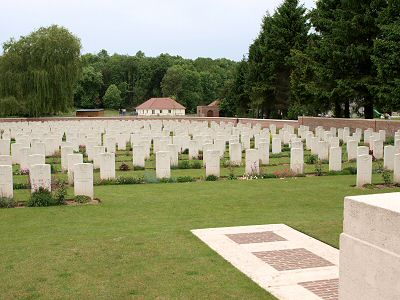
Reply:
x=137, y=244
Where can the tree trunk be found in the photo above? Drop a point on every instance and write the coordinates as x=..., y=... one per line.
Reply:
x=347, y=109
x=369, y=108
x=338, y=109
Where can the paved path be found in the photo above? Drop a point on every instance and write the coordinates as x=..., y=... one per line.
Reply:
x=285, y=262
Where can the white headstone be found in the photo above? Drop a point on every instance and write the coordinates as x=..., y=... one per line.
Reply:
x=107, y=166
x=352, y=150
x=335, y=159
x=276, y=145
x=73, y=159
x=5, y=160
x=213, y=163
x=40, y=177
x=83, y=180
x=163, y=168
x=5, y=147
x=388, y=159
x=65, y=150
x=297, y=160
x=6, y=182
x=138, y=156
x=364, y=170
x=263, y=151
x=252, y=162
x=235, y=154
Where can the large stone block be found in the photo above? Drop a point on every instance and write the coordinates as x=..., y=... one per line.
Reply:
x=370, y=248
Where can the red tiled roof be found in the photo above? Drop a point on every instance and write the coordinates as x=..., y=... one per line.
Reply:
x=160, y=103
x=214, y=103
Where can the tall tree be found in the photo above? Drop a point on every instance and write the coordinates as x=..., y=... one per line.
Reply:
x=40, y=71
x=88, y=87
x=341, y=54
x=269, y=58
x=386, y=58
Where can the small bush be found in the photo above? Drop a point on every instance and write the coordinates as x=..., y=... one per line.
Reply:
x=21, y=186
x=196, y=164
x=266, y=176
x=130, y=180
x=350, y=171
x=232, y=176
x=185, y=179
x=7, y=202
x=82, y=199
x=40, y=198
x=211, y=178
x=311, y=159
x=59, y=188
x=285, y=149
x=318, y=168
x=53, y=169
x=186, y=151
x=124, y=167
x=184, y=164
x=166, y=180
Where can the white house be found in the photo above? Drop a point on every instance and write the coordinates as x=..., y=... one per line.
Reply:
x=160, y=107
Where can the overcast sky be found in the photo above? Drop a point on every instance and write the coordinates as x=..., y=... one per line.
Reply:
x=202, y=28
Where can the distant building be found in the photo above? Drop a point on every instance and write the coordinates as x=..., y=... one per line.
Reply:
x=90, y=113
x=211, y=110
x=160, y=107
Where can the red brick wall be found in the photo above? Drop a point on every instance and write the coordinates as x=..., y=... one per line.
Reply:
x=390, y=126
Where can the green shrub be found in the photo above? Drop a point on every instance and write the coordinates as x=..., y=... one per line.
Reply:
x=7, y=202
x=82, y=199
x=166, y=180
x=186, y=151
x=211, y=178
x=350, y=171
x=137, y=168
x=185, y=179
x=268, y=175
x=124, y=167
x=21, y=186
x=59, y=188
x=184, y=164
x=232, y=176
x=318, y=168
x=40, y=198
x=130, y=180
x=285, y=148
x=311, y=159
x=196, y=164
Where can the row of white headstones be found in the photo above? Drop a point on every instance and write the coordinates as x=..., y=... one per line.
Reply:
x=35, y=141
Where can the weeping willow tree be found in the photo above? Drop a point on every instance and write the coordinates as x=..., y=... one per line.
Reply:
x=38, y=73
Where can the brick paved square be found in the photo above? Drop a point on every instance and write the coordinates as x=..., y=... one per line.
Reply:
x=326, y=289
x=292, y=259
x=255, y=237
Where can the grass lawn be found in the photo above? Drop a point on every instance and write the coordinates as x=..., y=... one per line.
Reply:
x=137, y=244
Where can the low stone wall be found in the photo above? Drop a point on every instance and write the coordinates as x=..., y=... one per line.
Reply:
x=391, y=126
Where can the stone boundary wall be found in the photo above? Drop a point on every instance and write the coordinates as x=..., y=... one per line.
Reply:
x=391, y=126
x=263, y=122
